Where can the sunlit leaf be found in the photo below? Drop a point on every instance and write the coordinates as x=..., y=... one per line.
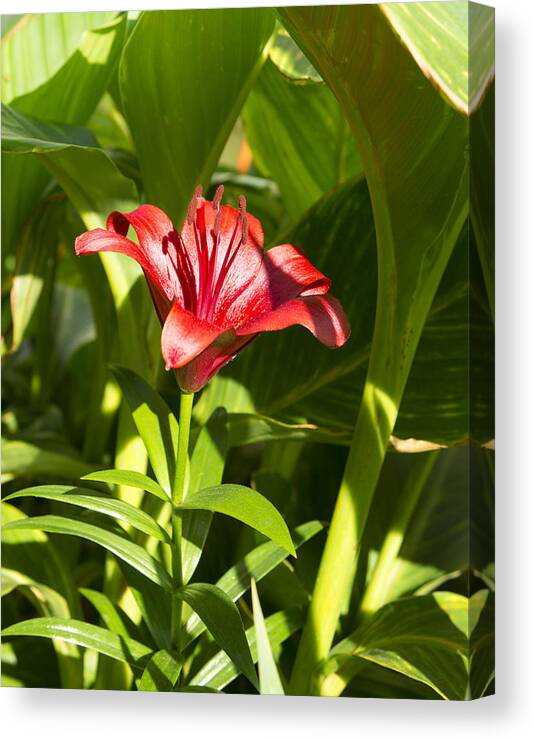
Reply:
x=129, y=478
x=270, y=682
x=219, y=52
x=246, y=505
x=120, y=546
x=161, y=672
x=87, y=499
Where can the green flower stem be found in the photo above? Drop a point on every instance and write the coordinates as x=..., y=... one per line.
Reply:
x=179, y=493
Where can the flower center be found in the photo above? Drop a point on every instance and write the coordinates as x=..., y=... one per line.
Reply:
x=211, y=278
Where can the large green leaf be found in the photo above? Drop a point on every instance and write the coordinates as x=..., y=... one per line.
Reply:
x=120, y=546
x=299, y=138
x=55, y=67
x=417, y=174
x=219, y=671
x=36, y=256
x=256, y=564
x=87, y=499
x=337, y=231
x=423, y=637
x=206, y=469
x=85, y=635
x=155, y=423
x=181, y=99
x=24, y=459
x=246, y=505
x=221, y=617
x=452, y=42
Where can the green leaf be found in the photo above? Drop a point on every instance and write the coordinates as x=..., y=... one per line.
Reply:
x=481, y=643
x=285, y=123
x=85, y=498
x=220, y=671
x=34, y=266
x=181, y=147
x=85, y=635
x=128, y=478
x=161, y=672
x=249, y=429
x=107, y=610
x=55, y=67
x=222, y=619
x=153, y=603
x=422, y=637
x=155, y=423
x=270, y=682
x=120, y=546
x=246, y=505
x=256, y=564
x=206, y=469
x=446, y=40
x=290, y=60
x=66, y=151
x=23, y=459
x=32, y=553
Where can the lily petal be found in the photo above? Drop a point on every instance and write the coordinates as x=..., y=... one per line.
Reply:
x=320, y=314
x=194, y=376
x=102, y=240
x=286, y=273
x=185, y=336
x=158, y=242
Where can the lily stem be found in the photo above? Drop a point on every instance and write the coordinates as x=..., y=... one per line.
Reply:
x=179, y=493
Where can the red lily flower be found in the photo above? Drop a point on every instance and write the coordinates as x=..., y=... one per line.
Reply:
x=213, y=286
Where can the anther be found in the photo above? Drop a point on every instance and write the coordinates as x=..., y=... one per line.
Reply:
x=193, y=205
x=242, y=205
x=217, y=224
x=244, y=232
x=218, y=197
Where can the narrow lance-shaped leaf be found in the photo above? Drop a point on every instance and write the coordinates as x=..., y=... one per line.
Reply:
x=222, y=619
x=270, y=682
x=128, y=478
x=161, y=672
x=86, y=498
x=85, y=635
x=220, y=671
x=256, y=564
x=246, y=505
x=207, y=466
x=120, y=546
x=155, y=423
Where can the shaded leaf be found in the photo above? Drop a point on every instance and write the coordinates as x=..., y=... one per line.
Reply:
x=222, y=619
x=161, y=672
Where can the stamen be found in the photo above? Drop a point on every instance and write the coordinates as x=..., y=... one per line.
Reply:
x=218, y=197
x=244, y=232
x=242, y=205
